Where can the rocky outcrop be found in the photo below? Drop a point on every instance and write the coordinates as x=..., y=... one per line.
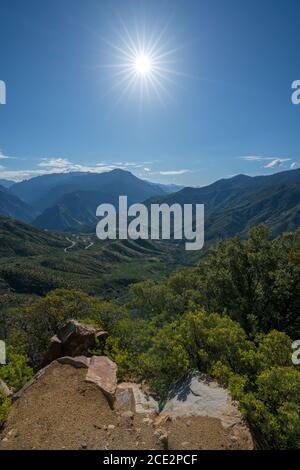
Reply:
x=60, y=409
x=199, y=395
x=80, y=362
x=103, y=372
x=100, y=370
x=75, y=403
x=72, y=340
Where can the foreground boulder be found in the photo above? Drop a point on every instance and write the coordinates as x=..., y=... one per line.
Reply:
x=199, y=395
x=74, y=339
x=60, y=409
x=100, y=370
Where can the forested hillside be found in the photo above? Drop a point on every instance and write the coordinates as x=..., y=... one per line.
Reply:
x=234, y=317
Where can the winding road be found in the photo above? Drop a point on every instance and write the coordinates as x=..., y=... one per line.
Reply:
x=74, y=243
x=89, y=245
x=71, y=246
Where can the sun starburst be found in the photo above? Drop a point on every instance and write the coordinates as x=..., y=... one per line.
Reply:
x=141, y=62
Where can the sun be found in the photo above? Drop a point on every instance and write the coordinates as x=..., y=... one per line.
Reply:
x=143, y=64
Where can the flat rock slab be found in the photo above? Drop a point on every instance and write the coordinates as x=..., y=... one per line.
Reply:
x=199, y=395
x=196, y=397
x=103, y=372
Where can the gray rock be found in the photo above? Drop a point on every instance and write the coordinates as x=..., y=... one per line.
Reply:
x=199, y=395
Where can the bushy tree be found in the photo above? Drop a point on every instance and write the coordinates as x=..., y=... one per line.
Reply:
x=16, y=372
x=28, y=329
x=273, y=408
x=256, y=282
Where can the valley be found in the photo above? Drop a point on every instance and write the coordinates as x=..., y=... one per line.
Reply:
x=164, y=311
x=35, y=261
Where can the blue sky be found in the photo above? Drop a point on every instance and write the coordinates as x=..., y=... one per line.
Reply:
x=224, y=106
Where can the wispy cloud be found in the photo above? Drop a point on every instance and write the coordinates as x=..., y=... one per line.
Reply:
x=276, y=162
x=63, y=165
x=3, y=157
x=49, y=166
x=254, y=158
x=173, y=172
x=55, y=163
x=260, y=158
x=273, y=162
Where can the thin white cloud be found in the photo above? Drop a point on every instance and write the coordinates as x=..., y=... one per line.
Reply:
x=3, y=157
x=63, y=165
x=55, y=163
x=173, y=172
x=49, y=166
x=276, y=162
x=254, y=158
x=260, y=158
x=273, y=162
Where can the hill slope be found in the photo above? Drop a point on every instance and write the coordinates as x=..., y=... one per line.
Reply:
x=12, y=206
x=234, y=205
x=35, y=261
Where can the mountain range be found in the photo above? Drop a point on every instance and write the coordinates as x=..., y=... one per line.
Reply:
x=45, y=191
x=68, y=201
x=234, y=205
x=49, y=196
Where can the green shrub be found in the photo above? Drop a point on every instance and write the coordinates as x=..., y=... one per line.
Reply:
x=16, y=372
x=4, y=408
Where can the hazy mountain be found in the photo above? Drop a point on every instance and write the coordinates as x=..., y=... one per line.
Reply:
x=170, y=188
x=44, y=191
x=234, y=205
x=231, y=205
x=12, y=206
x=75, y=209
x=6, y=183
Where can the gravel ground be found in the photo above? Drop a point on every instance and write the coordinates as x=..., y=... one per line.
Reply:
x=62, y=411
